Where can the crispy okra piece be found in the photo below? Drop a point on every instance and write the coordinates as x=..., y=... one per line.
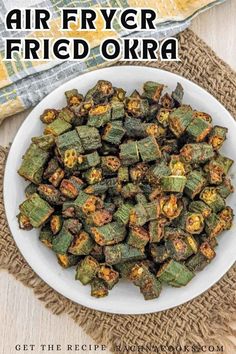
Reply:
x=124, y=269
x=57, y=127
x=82, y=244
x=214, y=225
x=97, y=253
x=44, y=142
x=152, y=91
x=141, y=198
x=119, y=94
x=173, y=183
x=192, y=223
x=24, y=222
x=218, y=136
x=122, y=214
x=136, y=107
x=73, y=97
x=69, y=141
x=67, y=115
x=130, y=190
x=129, y=153
x=149, y=285
x=195, y=183
x=99, y=218
x=99, y=115
x=178, y=249
x=175, y=274
x=67, y=260
x=117, y=110
x=178, y=94
x=138, y=215
x=210, y=196
x=179, y=120
x=149, y=149
x=225, y=162
x=49, y=115
x=87, y=161
x=86, y=204
x=152, y=210
x=109, y=234
x=87, y=270
x=155, y=193
x=158, y=253
x=170, y=206
x=197, y=153
x=30, y=189
x=177, y=166
x=198, y=206
x=157, y=229
x=167, y=101
x=198, y=130
x=202, y=115
x=109, y=275
x=56, y=178
x=93, y=175
x=101, y=187
x=226, y=188
x=56, y=223
x=157, y=171
x=51, y=167
x=102, y=91
x=33, y=164
x=163, y=117
x=123, y=174
x=110, y=165
x=98, y=288
x=90, y=137
x=46, y=236
x=174, y=232
x=122, y=252
x=201, y=259
x=135, y=128
x=138, y=237
x=71, y=187
x=49, y=193
x=36, y=209
x=138, y=172
x=227, y=216
x=62, y=241
x=73, y=225
x=113, y=133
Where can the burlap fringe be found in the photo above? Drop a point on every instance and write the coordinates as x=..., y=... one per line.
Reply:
x=203, y=321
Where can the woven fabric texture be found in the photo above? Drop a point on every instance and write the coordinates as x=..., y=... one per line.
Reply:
x=202, y=321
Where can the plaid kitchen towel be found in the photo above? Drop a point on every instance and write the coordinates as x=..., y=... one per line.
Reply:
x=25, y=83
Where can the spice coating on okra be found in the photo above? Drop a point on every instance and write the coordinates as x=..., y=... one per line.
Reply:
x=128, y=185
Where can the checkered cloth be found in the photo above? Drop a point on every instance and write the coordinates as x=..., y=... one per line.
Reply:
x=24, y=83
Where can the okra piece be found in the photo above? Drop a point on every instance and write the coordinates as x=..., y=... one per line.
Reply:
x=175, y=274
x=110, y=165
x=30, y=189
x=226, y=188
x=140, y=198
x=24, y=222
x=157, y=230
x=82, y=244
x=119, y=94
x=163, y=117
x=195, y=183
x=57, y=127
x=138, y=237
x=214, y=225
x=33, y=164
x=167, y=101
x=210, y=196
x=173, y=183
x=178, y=94
x=122, y=214
x=44, y=142
x=158, y=253
x=93, y=175
x=225, y=162
x=98, y=288
x=87, y=270
x=49, y=115
x=180, y=119
x=152, y=210
x=198, y=130
x=152, y=91
x=149, y=285
x=101, y=187
x=87, y=161
x=178, y=249
x=177, y=166
x=86, y=204
x=149, y=149
x=113, y=133
x=170, y=206
x=89, y=137
x=49, y=193
x=130, y=190
x=135, y=128
x=56, y=224
x=70, y=188
x=69, y=141
x=138, y=172
x=122, y=252
x=46, y=236
x=36, y=210
x=97, y=253
x=136, y=107
x=192, y=223
x=202, y=115
x=56, y=178
x=198, y=206
x=218, y=136
x=123, y=174
x=99, y=115
x=67, y=115
x=124, y=269
x=73, y=97
x=102, y=91
x=73, y=225
x=62, y=241
x=157, y=171
x=108, y=275
x=67, y=260
x=138, y=215
x=117, y=110
x=200, y=260
x=197, y=153
x=129, y=153
x=227, y=216
x=99, y=218
x=109, y=234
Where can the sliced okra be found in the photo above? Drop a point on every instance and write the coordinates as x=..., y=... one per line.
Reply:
x=82, y=244
x=99, y=218
x=93, y=175
x=86, y=204
x=101, y=187
x=152, y=91
x=177, y=166
x=137, y=107
x=180, y=119
x=62, y=241
x=109, y=234
x=123, y=174
x=195, y=183
x=44, y=142
x=157, y=230
x=197, y=153
x=227, y=216
x=110, y=165
x=99, y=115
x=163, y=117
x=113, y=133
x=158, y=253
x=149, y=149
x=73, y=97
x=55, y=223
x=122, y=214
x=119, y=94
x=90, y=137
x=170, y=206
x=57, y=127
x=49, y=193
x=109, y=275
x=218, y=136
x=175, y=274
x=67, y=260
x=67, y=115
x=87, y=161
x=30, y=189
x=178, y=249
x=198, y=130
x=173, y=183
x=225, y=188
x=124, y=269
x=138, y=237
x=69, y=141
x=129, y=153
x=192, y=223
x=122, y=252
x=56, y=178
x=210, y=196
x=130, y=190
x=202, y=115
x=167, y=101
x=178, y=94
x=197, y=262
x=214, y=225
x=141, y=198
x=87, y=270
x=225, y=162
x=98, y=288
x=157, y=171
x=97, y=253
x=138, y=172
x=46, y=236
x=24, y=222
x=117, y=110
x=102, y=91
x=49, y=115
x=70, y=187
x=36, y=209
x=198, y=206
x=51, y=167
x=73, y=225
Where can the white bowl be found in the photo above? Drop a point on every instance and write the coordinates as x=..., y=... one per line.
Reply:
x=125, y=298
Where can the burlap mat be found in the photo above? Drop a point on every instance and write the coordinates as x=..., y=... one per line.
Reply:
x=203, y=321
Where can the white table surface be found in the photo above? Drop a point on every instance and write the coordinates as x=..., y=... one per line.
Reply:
x=23, y=318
